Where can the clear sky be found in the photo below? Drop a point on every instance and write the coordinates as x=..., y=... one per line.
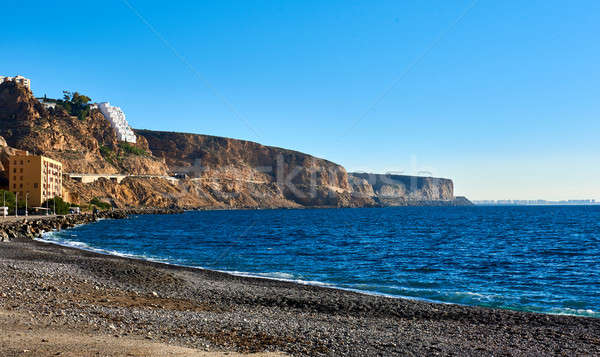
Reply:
x=501, y=96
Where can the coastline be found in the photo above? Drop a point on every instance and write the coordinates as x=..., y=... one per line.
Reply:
x=211, y=310
x=279, y=276
x=322, y=284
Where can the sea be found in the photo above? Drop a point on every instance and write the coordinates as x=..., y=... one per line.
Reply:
x=528, y=258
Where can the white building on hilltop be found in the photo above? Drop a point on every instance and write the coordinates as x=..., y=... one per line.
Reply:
x=117, y=120
x=19, y=79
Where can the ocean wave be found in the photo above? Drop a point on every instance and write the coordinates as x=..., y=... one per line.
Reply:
x=574, y=312
x=56, y=237
x=469, y=295
x=279, y=276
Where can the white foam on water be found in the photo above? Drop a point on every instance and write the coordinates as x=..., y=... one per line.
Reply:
x=574, y=312
x=469, y=295
x=54, y=237
x=278, y=276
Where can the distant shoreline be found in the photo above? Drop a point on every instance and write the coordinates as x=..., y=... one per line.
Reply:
x=535, y=204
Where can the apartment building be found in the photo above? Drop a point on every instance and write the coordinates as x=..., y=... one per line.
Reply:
x=117, y=120
x=19, y=79
x=38, y=176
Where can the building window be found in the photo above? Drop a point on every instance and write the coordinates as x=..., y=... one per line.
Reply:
x=35, y=185
x=14, y=185
x=21, y=178
x=20, y=185
x=21, y=170
x=15, y=170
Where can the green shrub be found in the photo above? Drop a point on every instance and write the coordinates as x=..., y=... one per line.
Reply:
x=108, y=154
x=105, y=151
x=102, y=205
x=57, y=203
x=75, y=104
x=10, y=200
x=130, y=149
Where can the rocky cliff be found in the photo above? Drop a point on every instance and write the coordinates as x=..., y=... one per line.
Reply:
x=224, y=164
x=402, y=190
x=215, y=172
x=83, y=146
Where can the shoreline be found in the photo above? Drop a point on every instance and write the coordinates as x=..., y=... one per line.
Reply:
x=253, y=275
x=300, y=282
x=30, y=227
x=87, y=218
x=72, y=290
x=282, y=311
x=40, y=238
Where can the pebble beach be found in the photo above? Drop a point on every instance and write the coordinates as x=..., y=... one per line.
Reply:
x=51, y=295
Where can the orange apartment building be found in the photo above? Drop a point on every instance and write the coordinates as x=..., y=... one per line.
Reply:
x=36, y=175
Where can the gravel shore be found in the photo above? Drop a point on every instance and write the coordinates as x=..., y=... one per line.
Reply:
x=81, y=294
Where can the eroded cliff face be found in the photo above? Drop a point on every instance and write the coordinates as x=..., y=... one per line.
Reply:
x=137, y=192
x=83, y=146
x=218, y=172
x=401, y=190
x=288, y=175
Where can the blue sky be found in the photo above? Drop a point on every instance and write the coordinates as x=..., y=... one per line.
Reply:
x=501, y=96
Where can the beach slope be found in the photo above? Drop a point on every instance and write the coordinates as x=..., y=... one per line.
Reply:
x=55, y=299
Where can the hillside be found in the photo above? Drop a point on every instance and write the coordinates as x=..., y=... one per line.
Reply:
x=83, y=146
x=232, y=165
x=216, y=172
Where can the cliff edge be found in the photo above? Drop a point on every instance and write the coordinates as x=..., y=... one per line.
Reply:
x=404, y=190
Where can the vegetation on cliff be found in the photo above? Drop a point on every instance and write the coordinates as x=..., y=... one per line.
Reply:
x=75, y=104
x=102, y=205
x=131, y=149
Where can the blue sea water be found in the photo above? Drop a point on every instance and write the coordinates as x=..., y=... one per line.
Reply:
x=542, y=259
